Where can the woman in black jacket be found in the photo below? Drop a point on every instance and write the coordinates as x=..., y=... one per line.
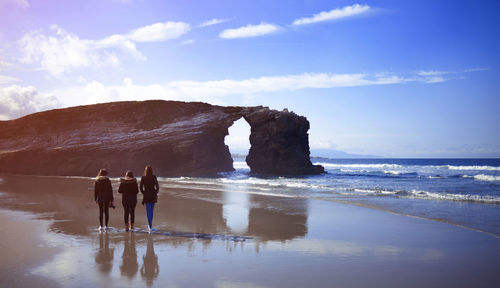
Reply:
x=129, y=190
x=103, y=196
x=149, y=187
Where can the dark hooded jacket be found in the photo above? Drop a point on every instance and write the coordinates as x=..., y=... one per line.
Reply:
x=128, y=188
x=149, y=187
x=103, y=191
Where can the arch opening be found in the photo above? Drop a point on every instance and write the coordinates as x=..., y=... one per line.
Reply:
x=238, y=142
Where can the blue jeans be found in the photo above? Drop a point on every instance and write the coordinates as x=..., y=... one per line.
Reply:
x=149, y=213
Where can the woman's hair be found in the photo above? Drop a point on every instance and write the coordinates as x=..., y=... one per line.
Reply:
x=148, y=171
x=102, y=172
x=129, y=174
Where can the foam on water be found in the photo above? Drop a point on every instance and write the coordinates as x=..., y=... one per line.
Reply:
x=483, y=177
x=377, y=166
x=476, y=168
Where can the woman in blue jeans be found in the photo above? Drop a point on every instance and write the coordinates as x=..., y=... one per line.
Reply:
x=149, y=187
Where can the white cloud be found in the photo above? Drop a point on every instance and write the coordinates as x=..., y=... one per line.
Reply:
x=213, y=21
x=20, y=3
x=187, y=42
x=250, y=31
x=159, y=32
x=61, y=52
x=334, y=14
x=435, y=76
x=432, y=73
x=8, y=80
x=17, y=101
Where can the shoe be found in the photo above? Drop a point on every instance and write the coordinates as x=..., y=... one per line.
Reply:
x=100, y=228
x=132, y=227
x=107, y=228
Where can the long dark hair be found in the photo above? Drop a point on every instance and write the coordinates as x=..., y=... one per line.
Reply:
x=102, y=172
x=148, y=171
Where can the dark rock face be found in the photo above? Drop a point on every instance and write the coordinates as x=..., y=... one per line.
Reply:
x=176, y=138
x=279, y=143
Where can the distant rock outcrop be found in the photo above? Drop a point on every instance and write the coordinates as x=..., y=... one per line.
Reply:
x=176, y=138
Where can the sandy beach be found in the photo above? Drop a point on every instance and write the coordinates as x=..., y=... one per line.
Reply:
x=212, y=237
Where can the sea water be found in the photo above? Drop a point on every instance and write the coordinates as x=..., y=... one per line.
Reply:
x=464, y=192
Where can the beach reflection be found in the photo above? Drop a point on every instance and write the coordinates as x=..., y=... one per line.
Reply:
x=104, y=255
x=150, y=267
x=69, y=201
x=236, y=211
x=129, y=265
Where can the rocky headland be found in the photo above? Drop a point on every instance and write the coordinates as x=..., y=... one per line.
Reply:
x=176, y=138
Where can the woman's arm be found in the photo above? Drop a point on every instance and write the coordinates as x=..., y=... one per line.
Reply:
x=95, y=191
x=110, y=189
x=156, y=186
x=142, y=187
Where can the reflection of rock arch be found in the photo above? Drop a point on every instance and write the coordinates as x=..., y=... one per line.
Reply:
x=177, y=138
x=280, y=223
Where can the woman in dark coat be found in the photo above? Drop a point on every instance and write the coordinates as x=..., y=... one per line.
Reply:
x=129, y=190
x=103, y=196
x=149, y=187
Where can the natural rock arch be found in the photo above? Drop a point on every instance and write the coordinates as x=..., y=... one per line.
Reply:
x=176, y=138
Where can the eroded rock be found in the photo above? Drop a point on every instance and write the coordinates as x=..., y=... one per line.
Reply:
x=176, y=138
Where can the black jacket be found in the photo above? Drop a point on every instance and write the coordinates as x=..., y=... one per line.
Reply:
x=103, y=191
x=149, y=187
x=128, y=187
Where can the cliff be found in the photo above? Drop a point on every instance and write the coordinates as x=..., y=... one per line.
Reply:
x=176, y=138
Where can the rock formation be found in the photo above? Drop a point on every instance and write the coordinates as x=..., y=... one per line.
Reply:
x=176, y=138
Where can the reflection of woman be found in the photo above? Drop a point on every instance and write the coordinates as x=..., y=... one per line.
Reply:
x=129, y=265
x=103, y=196
x=128, y=188
x=150, y=267
x=104, y=256
x=149, y=187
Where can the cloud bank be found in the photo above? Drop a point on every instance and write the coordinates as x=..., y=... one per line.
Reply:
x=17, y=101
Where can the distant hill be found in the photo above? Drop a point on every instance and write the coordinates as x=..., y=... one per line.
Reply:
x=330, y=153
x=319, y=153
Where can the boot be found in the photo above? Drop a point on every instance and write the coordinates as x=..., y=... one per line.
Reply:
x=126, y=227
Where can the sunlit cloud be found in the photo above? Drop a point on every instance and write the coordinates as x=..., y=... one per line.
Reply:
x=60, y=51
x=17, y=101
x=213, y=21
x=250, y=31
x=335, y=14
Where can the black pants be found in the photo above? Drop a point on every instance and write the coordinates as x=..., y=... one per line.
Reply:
x=129, y=209
x=103, y=208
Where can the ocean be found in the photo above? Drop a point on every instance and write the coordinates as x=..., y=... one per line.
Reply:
x=463, y=192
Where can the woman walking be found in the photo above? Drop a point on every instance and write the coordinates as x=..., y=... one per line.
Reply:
x=129, y=190
x=149, y=187
x=103, y=196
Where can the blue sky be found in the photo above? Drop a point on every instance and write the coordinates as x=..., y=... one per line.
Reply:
x=389, y=78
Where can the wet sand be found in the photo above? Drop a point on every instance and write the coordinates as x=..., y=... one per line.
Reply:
x=211, y=237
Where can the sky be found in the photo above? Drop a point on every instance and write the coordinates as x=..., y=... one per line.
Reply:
x=416, y=78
